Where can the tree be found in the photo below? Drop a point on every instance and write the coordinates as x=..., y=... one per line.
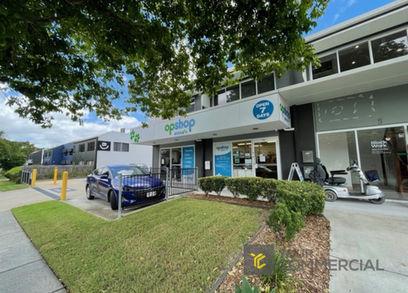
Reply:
x=71, y=56
x=13, y=153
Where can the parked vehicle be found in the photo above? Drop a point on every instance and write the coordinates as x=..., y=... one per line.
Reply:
x=138, y=185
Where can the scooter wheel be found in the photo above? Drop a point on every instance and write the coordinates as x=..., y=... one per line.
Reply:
x=330, y=195
x=378, y=200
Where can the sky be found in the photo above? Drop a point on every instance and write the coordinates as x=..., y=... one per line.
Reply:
x=64, y=130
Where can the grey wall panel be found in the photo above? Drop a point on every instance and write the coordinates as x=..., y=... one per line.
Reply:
x=155, y=157
x=385, y=106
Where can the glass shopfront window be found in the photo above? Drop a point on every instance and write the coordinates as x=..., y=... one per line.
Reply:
x=165, y=158
x=328, y=66
x=266, y=164
x=242, y=158
x=381, y=153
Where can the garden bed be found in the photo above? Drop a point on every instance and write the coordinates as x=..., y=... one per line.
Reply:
x=314, y=238
x=233, y=200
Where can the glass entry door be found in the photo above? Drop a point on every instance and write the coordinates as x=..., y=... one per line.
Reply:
x=266, y=164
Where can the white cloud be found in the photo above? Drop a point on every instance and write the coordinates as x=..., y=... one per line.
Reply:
x=346, y=4
x=63, y=130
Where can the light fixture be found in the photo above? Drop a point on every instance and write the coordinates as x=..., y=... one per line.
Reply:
x=356, y=47
x=353, y=62
x=399, y=49
x=289, y=129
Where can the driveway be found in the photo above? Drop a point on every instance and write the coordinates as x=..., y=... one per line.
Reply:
x=364, y=231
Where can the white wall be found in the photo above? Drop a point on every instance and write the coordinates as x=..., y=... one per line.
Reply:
x=138, y=154
x=334, y=153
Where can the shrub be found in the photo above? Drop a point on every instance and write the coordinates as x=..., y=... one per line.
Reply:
x=246, y=288
x=14, y=174
x=295, y=201
x=285, y=221
x=212, y=183
x=252, y=187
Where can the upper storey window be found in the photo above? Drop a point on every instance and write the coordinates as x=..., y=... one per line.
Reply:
x=354, y=56
x=391, y=46
x=267, y=84
x=328, y=66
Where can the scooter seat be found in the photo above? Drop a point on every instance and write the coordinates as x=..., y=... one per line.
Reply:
x=336, y=180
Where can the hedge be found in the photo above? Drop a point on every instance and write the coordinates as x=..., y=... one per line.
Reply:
x=295, y=199
x=212, y=183
x=14, y=174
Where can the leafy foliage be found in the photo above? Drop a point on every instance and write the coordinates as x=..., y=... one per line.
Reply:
x=14, y=174
x=286, y=221
x=212, y=183
x=71, y=56
x=13, y=153
x=252, y=187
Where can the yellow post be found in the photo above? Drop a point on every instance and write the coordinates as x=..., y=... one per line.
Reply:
x=64, y=185
x=55, y=175
x=33, y=177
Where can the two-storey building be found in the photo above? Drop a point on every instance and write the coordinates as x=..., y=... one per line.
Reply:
x=353, y=107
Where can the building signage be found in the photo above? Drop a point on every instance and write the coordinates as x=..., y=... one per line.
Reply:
x=180, y=127
x=263, y=109
x=285, y=113
x=188, y=160
x=222, y=159
x=380, y=147
x=104, y=145
x=134, y=136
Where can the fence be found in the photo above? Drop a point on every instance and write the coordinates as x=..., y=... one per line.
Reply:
x=49, y=169
x=26, y=176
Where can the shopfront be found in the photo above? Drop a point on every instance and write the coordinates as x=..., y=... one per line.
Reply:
x=375, y=137
x=237, y=139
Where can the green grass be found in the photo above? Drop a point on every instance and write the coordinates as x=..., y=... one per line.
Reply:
x=10, y=185
x=179, y=246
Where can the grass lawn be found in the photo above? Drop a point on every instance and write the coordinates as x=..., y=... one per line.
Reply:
x=179, y=246
x=9, y=185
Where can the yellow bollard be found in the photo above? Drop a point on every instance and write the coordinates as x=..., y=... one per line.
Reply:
x=55, y=175
x=64, y=185
x=33, y=177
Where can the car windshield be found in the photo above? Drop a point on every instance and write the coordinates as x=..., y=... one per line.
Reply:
x=127, y=170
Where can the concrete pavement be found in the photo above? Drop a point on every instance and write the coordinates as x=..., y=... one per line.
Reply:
x=364, y=231
x=22, y=269
x=20, y=197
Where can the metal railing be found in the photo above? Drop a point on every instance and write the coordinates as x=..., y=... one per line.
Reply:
x=26, y=176
x=156, y=184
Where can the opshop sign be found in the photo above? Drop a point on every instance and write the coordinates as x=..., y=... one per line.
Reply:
x=180, y=127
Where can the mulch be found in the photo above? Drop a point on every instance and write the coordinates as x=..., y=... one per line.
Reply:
x=311, y=243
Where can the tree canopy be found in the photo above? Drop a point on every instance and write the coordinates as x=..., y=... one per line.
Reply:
x=72, y=56
x=13, y=153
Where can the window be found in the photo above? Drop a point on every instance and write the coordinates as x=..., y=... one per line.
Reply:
x=267, y=84
x=125, y=147
x=120, y=147
x=248, y=89
x=81, y=148
x=242, y=159
x=354, y=57
x=220, y=98
x=390, y=46
x=328, y=66
x=227, y=95
x=192, y=104
x=116, y=146
x=91, y=146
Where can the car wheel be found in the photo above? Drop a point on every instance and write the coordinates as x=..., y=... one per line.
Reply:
x=113, y=200
x=378, y=200
x=89, y=193
x=330, y=195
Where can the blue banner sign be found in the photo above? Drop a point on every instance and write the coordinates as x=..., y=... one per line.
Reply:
x=222, y=160
x=188, y=160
